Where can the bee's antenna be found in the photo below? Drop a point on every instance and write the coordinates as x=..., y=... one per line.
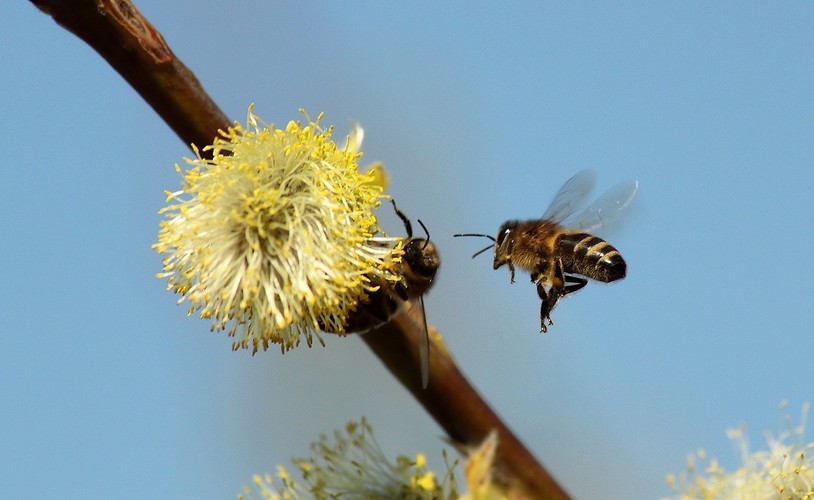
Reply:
x=480, y=236
x=481, y=251
x=427, y=241
x=404, y=219
x=475, y=234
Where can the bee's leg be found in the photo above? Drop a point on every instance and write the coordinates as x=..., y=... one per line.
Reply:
x=540, y=275
x=407, y=226
x=573, y=283
x=559, y=288
x=548, y=299
x=558, y=277
x=509, y=249
x=401, y=289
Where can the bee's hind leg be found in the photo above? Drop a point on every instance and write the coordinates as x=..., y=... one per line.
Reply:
x=572, y=284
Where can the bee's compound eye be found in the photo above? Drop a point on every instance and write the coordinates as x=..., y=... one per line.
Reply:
x=501, y=235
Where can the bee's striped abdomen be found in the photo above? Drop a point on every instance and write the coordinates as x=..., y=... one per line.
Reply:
x=590, y=256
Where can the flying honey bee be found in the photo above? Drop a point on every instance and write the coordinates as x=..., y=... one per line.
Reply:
x=418, y=268
x=558, y=249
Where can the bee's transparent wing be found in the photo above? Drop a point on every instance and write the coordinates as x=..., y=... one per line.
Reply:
x=382, y=241
x=606, y=208
x=571, y=197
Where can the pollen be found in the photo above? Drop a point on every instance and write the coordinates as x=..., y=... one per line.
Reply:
x=270, y=238
x=351, y=464
x=784, y=468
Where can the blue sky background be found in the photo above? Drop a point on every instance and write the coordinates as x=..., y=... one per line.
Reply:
x=480, y=112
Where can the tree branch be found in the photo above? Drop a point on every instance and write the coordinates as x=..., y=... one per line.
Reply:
x=452, y=401
x=138, y=52
x=134, y=48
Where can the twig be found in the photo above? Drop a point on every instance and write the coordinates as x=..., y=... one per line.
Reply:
x=455, y=404
x=129, y=43
x=134, y=48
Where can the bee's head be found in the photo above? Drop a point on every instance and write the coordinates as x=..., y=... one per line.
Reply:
x=421, y=261
x=504, y=243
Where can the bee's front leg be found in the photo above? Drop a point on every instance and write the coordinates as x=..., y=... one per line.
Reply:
x=400, y=288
